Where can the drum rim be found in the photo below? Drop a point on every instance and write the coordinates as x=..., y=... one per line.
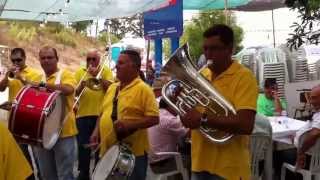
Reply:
x=53, y=140
x=117, y=147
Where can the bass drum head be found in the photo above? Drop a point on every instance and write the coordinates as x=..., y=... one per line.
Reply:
x=53, y=122
x=106, y=164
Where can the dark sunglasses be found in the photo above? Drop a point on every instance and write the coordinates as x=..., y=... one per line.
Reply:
x=91, y=59
x=17, y=60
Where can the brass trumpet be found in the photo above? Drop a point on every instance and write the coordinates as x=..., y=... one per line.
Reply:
x=95, y=83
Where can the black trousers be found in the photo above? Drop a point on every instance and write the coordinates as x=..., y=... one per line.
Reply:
x=85, y=127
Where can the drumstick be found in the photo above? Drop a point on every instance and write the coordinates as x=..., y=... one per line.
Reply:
x=99, y=144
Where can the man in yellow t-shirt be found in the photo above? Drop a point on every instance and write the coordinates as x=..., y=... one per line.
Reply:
x=16, y=77
x=58, y=162
x=89, y=106
x=129, y=108
x=238, y=85
x=13, y=164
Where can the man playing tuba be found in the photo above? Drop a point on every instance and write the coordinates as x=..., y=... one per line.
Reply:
x=238, y=85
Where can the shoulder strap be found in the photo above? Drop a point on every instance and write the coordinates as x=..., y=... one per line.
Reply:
x=114, y=114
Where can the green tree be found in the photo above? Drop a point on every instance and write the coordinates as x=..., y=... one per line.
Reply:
x=193, y=31
x=309, y=14
x=81, y=26
x=132, y=25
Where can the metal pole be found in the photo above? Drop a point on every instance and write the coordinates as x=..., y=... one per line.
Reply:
x=226, y=10
x=273, y=32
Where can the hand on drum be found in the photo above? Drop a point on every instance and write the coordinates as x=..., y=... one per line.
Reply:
x=191, y=119
x=94, y=140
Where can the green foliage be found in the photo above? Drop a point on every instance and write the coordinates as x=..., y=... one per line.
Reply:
x=103, y=38
x=22, y=31
x=309, y=14
x=65, y=37
x=166, y=48
x=81, y=26
x=133, y=25
x=193, y=31
x=53, y=28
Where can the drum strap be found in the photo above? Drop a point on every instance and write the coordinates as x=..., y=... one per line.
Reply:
x=114, y=114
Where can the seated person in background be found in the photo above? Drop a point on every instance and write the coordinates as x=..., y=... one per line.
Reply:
x=164, y=137
x=13, y=164
x=311, y=131
x=269, y=103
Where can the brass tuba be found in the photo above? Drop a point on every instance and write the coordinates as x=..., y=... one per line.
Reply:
x=190, y=89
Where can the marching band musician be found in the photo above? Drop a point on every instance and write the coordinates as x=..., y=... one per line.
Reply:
x=129, y=108
x=13, y=164
x=15, y=78
x=211, y=161
x=89, y=105
x=58, y=162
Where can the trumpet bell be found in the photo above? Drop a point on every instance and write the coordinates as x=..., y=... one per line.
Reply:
x=94, y=84
x=190, y=89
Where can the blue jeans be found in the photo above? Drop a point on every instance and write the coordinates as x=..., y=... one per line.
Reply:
x=85, y=127
x=205, y=176
x=58, y=163
x=140, y=168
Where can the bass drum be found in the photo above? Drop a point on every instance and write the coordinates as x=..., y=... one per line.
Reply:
x=116, y=164
x=36, y=116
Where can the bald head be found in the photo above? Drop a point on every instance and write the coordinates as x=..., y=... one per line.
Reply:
x=315, y=97
x=93, y=58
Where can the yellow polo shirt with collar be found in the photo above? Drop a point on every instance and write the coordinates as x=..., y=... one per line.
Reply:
x=13, y=164
x=90, y=100
x=15, y=85
x=231, y=160
x=135, y=101
x=69, y=128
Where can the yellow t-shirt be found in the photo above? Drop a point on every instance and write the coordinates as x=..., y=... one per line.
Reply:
x=231, y=160
x=13, y=164
x=69, y=127
x=90, y=100
x=15, y=85
x=135, y=101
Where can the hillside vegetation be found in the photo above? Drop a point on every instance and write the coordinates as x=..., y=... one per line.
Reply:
x=71, y=45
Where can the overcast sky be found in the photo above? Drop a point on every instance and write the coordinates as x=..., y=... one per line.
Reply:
x=258, y=26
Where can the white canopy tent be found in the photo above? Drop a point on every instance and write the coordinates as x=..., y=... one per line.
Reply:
x=78, y=10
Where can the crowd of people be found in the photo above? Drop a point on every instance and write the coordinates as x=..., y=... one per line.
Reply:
x=126, y=110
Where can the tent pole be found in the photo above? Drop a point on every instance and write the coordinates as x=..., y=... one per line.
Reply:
x=226, y=11
x=3, y=6
x=273, y=32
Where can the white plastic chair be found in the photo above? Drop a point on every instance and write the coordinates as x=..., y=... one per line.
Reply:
x=314, y=168
x=259, y=144
x=180, y=168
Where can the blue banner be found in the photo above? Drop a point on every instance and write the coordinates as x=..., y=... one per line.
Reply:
x=166, y=22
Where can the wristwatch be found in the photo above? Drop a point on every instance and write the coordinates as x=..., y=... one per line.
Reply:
x=203, y=119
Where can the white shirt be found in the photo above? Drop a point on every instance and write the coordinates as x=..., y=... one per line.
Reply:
x=314, y=123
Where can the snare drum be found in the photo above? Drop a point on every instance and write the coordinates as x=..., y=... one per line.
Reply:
x=116, y=164
x=36, y=116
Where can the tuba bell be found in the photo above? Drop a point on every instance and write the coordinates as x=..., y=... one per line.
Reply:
x=190, y=89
